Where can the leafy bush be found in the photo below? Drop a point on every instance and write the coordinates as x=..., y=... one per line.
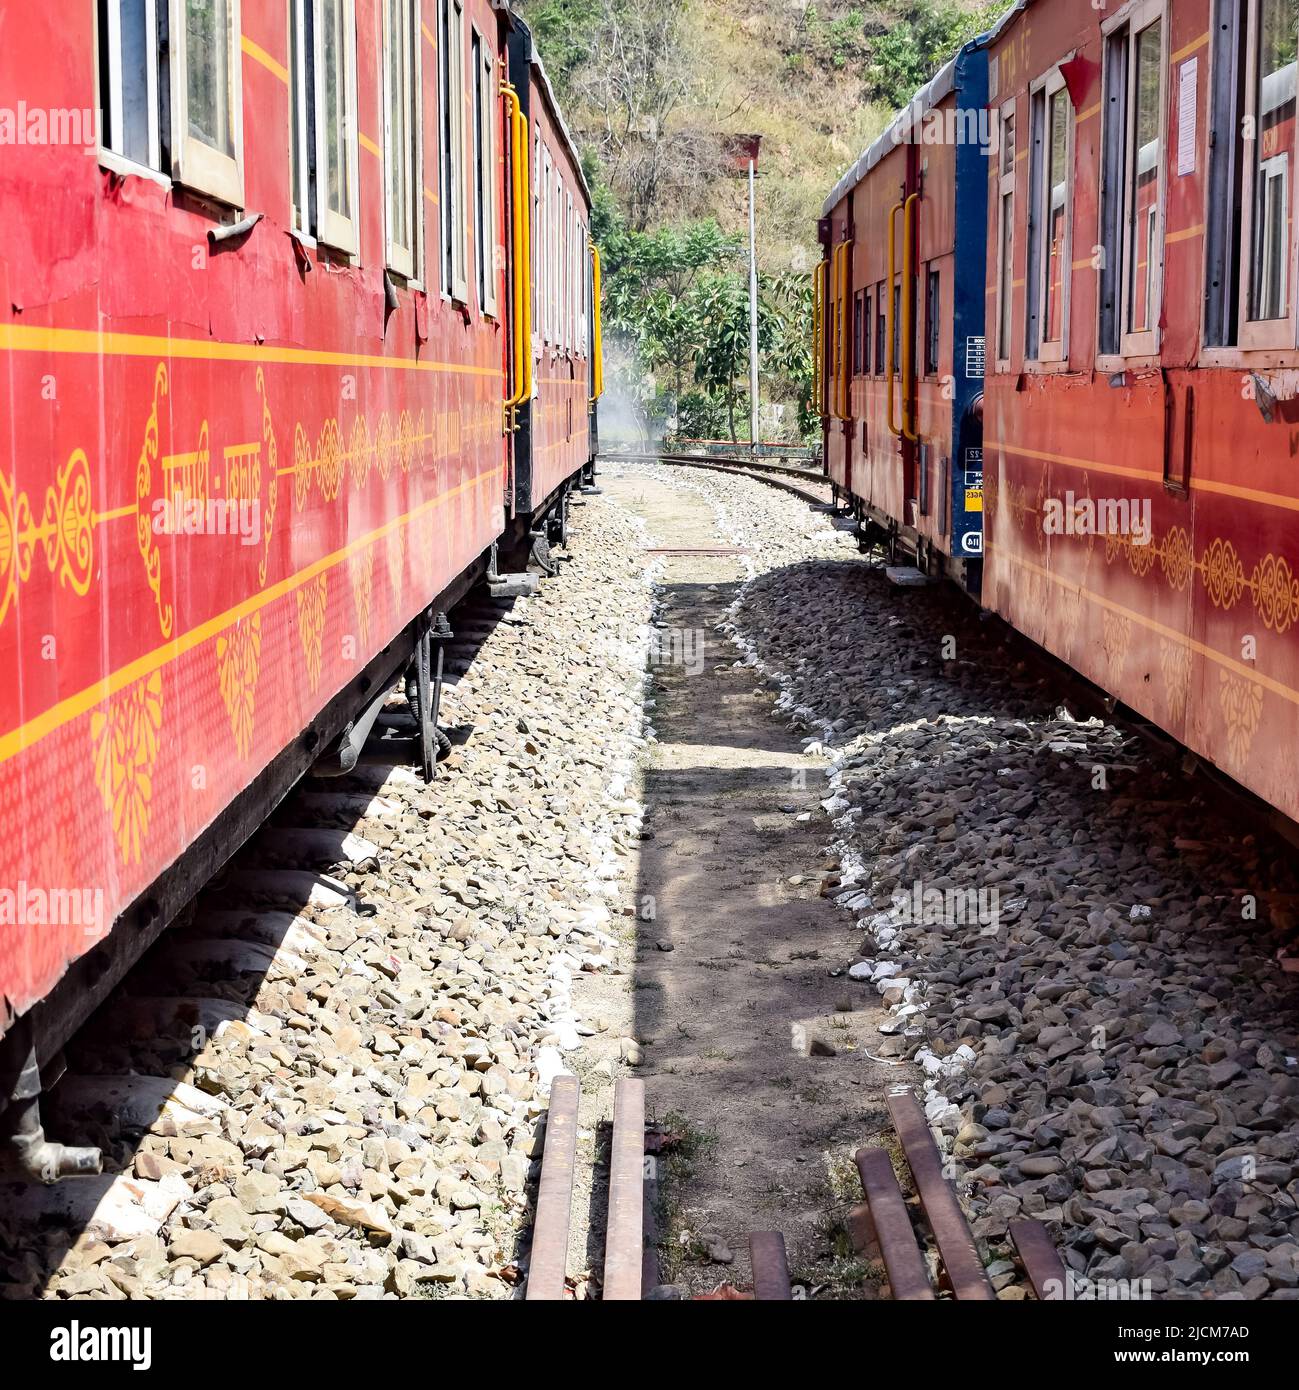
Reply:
x=907, y=55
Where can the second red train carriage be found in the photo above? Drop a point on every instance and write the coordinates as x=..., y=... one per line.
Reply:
x=1138, y=267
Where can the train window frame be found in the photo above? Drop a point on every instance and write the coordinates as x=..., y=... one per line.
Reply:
x=302, y=70
x=881, y=329
x=933, y=318
x=452, y=222
x=486, y=163
x=857, y=310
x=1263, y=334
x=535, y=191
x=570, y=337
x=1007, y=167
x=547, y=229
x=195, y=163
x=339, y=231
x=1122, y=30
x=408, y=81
x=583, y=286
x=1041, y=352
x=111, y=93
x=868, y=332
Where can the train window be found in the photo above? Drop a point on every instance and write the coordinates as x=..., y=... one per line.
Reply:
x=1006, y=232
x=128, y=80
x=867, y=317
x=301, y=119
x=322, y=100
x=402, y=167
x=538, y=250
x=569, y=316
x=1261, y=164
x=451, y=146
x=1226, y=165
x=207, y=97
x=881, y=331
x=897, y=329
x=1050, y=219
x=933, y=290
x=548, y=248
x=1133, y=184
x=857, y=310
x=485, y=165
x=584, y=285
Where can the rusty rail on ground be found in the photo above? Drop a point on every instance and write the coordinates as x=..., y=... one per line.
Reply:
x=893, y=1232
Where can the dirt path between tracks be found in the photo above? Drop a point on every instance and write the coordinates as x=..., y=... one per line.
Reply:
x=754, y=1058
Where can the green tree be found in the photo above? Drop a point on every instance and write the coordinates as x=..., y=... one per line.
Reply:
x=910, y=52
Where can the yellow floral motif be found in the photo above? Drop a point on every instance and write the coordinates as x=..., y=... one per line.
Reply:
x=1116, y=638
x=361, y=569
x=1175, y=664
x=325, y=464
x=1224, y=575
x=65, y=532
x=272, y=474
x=1276, y=593
x=8, y=547
x=1242, y=710
x=313, y=599
x=396, y=559
x=126, y=740
x=239, y=659
x=144, y=536
x=1177, y=556
x=1071, y=604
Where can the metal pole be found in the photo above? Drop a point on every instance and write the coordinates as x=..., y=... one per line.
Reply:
x=753, y=319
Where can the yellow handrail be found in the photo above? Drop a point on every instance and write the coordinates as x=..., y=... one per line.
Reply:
x=525, y=220
x=890, y=319
x=597, y=327
x=909, y=319
x=522, y=270
x=818, y=337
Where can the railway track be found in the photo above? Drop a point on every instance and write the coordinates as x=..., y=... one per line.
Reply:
x=772, y=474
x=920, y=1267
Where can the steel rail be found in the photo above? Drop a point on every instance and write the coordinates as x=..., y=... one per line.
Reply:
x=548, y=1267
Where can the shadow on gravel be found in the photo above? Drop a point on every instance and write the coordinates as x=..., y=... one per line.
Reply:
x=1135, y=1033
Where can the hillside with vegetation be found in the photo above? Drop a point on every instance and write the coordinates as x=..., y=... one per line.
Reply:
x=656, y=92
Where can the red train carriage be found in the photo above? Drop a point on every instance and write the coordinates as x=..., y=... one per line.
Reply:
x=1162, y=430
x=1140, y=413
x=266, y=286
x=901, y=337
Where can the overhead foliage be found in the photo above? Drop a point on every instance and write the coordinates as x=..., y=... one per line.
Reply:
x=678, y=300
x=909, y=52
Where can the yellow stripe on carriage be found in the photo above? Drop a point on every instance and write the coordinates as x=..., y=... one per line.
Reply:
x=94, y=696
x=259, y=55
x=1172, y=634
x=1245, y=494
x=30, y=338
